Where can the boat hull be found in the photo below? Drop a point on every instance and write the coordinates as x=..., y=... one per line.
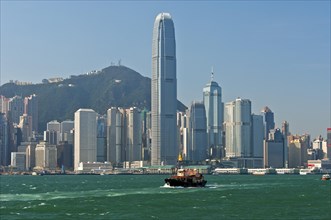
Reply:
x=185, y=182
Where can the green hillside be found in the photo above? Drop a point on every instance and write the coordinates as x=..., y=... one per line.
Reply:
x=114, y=86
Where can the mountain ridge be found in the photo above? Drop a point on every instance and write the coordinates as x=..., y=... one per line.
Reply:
x=113, y=86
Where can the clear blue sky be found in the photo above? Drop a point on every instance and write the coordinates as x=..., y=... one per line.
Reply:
x=275, y=53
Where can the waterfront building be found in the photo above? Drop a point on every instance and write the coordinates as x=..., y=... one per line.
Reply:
x=328, y=147
x=198, y=136
x=318, y=147
x=46, y=156
x=237, y=119
x=164, y=149
x=257, y=135
x=274, y=149
x=65, y=155
x=85, y=146
x=4, y=141
x=18, y=160
x=214, y=107
x=286, y=133
x=298, y=146
x=95, y=167
x=134, y=137
x=16, y=109
x=31, y=109
x=30, y=153
x=268, y=119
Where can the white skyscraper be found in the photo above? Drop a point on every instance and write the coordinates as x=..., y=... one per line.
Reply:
x=164, y=148
x=237, y=118
x=85, y=137
x=212, y=99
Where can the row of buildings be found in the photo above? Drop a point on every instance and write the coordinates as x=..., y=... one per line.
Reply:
x=209, y=130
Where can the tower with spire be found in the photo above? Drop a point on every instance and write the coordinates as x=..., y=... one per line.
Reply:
x=212, y=99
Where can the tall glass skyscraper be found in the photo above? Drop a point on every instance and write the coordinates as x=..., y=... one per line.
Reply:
x=269, y=122
x=198, y=146
x=212, y=99
x=238, y=124
x=164, y=148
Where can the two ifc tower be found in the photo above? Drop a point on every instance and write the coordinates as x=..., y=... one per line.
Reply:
x=164, y=149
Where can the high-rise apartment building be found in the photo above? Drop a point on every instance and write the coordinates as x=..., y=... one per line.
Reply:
x=31, y=109
x=164, y=148
x=212, y=100
x=237, y=118
x=16, y=109
x=85, y=146
x=198, y=135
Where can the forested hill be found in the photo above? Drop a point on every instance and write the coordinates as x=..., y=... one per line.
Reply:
x=114, y=86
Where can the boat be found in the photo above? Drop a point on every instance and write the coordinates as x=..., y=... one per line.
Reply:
x=186, y=178
x=325, y=177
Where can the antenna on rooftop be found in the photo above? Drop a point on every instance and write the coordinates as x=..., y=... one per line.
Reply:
x=212, y=73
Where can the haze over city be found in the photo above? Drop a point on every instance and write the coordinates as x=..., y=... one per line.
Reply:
x=276, y=54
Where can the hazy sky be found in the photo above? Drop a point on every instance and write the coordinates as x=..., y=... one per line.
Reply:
x=275, y=53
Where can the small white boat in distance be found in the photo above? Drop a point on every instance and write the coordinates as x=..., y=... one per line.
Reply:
x=325, y=177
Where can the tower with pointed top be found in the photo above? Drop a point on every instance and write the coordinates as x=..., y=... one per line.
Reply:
x=212, y=99
x=164, y=149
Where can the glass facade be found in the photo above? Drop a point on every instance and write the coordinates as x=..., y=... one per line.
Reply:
x=164, y=149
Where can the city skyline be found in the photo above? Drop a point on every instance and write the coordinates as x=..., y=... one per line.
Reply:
x=276, y=54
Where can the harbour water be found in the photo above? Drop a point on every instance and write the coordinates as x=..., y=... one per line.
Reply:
x=145, y=197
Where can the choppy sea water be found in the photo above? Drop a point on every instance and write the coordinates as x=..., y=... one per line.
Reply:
x=145, y=197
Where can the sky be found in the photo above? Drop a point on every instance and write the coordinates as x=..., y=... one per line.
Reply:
x=275, y=53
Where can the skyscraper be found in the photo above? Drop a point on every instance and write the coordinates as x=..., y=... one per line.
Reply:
x=164, y=148
x=133, y=145
x=85, y=137
x=16, y=109
x=198, y=146
x=286, y=133
x=212, y=99
x=31, y=109
x=237, y=119
x=269, y=122
x=115, y=135
x=257, y=135
x=328, y=145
